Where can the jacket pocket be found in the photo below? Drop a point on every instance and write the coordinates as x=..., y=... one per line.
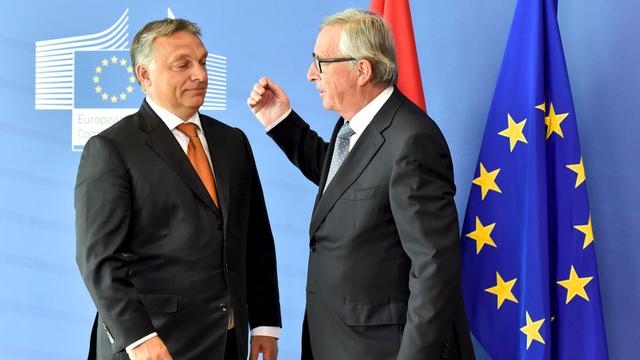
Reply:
x=160, y=303
x=360, y=194
x=394, y=313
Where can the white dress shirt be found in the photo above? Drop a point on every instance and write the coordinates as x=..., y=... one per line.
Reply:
x=363, y=118
x=172, y=121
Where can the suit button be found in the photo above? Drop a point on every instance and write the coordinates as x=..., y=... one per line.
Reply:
x=223, y=307
x=220, y=227
x=226, y=267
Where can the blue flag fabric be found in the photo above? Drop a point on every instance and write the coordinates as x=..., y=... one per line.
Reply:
x=530, y=279
x=105, y=79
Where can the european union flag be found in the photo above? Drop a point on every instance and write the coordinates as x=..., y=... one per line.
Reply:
x=105, y=79
x=529, y=267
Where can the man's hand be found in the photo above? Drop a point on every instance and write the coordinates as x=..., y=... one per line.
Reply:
x=267, y=101
x=152, y=349
x=266, y=345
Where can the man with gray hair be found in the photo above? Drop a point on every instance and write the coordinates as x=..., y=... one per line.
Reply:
x=173, y=239
x=384, y=263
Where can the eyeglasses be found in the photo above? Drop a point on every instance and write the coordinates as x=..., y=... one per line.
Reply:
x=318, y=61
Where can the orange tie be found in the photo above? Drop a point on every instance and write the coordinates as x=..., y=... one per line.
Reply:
x=198, y=158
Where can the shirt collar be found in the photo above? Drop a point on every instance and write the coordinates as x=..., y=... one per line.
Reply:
x=170, y=119
x=363, y=117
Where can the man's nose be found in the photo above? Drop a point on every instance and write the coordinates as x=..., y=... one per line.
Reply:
x=199, y=73
x=312, y=72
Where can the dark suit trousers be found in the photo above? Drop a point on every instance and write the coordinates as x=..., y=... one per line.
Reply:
x=231, y=347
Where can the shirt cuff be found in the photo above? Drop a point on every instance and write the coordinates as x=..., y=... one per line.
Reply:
x=278, y=121
x=139, y=342
x=271, y=331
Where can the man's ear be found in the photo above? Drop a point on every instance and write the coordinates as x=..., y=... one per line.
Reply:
x=144, y=76
x=365, y=71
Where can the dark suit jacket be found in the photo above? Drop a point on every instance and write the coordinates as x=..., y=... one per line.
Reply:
x=384, y=267
x=154, y=251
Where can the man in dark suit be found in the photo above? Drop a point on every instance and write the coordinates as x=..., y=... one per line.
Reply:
x=384, y=266
x=173, y=240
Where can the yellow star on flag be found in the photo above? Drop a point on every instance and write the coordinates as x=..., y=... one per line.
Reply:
x=123, y=62
x=578, y=169
x=114, y=59
x=575, y=285
x=129, y=89
x=129, y=69
x=123, y=96
x=514, y=132
x=482, y=235
x=104, y=96
x=487, y=181
x=532, y=330
x=98, y=89
x=553, y=122
x=96, y=79
x=105, y=62
x=114, y=99
x=98, y=69
x=132, y=79
x=587, y=230
x=542, y=107
x=503, y=290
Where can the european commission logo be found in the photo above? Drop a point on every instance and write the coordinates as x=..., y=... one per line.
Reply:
x=91, y=75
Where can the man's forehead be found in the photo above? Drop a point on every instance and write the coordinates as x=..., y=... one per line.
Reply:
x=327, y=40
x=179, y=38
x=180, y=44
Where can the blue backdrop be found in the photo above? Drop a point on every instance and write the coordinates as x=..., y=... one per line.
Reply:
x=45, y=311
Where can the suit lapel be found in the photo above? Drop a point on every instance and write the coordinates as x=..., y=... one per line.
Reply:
x=164, y=144
x=327, y=162
x=216, y=141
x=355, y=163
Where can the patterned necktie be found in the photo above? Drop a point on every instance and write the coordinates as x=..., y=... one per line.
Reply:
x=198, y=158
x=340, y=151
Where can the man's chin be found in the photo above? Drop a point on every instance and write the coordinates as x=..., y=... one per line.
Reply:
x=327, y=105
x=196, y=102
x=193, y=106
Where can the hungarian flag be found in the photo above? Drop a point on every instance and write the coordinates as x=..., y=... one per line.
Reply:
x=398, y=14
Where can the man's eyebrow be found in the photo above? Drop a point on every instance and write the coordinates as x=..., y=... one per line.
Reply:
x=178, y=56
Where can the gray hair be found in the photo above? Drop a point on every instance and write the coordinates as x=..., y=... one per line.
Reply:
x=143, y=41
x=366, y=35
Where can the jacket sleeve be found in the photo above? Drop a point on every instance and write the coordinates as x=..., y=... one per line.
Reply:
x=262, y=280
x=303, y=146
x=422, y=203
x=103, y=204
